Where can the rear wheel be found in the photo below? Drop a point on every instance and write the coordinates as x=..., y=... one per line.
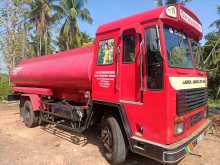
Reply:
x=30, y=118
x=114, y=147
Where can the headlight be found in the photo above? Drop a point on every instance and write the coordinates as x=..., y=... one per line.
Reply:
x=179, y=128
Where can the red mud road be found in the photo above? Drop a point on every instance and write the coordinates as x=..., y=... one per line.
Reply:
x=50, y=146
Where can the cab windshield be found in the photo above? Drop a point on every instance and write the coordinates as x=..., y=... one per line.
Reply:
x=178, y=49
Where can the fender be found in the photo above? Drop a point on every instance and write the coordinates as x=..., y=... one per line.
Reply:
x=122, y=115
x=35, y=101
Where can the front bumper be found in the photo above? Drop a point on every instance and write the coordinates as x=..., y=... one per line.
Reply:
x=168, y=153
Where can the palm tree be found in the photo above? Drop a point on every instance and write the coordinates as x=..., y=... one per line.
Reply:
x=211, y=54
x=68, y=13
x=216, y=23
x=167, y=2
x=86, y=39
x=40, y=15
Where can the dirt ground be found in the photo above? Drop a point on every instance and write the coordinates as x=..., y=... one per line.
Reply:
x=50, y=146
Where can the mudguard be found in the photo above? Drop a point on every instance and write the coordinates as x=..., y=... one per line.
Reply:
x=35, y=101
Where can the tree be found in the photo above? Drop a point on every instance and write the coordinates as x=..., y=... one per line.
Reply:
x=216, y=23
x=211, y=55
x=86, y=39
x=37, y=19
x=13, y=38
x=40, y=16
x=68, y=12
x=207, y=57
x=167, y=2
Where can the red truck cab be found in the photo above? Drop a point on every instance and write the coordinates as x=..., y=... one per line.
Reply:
x=154, y=78
x=144, y=76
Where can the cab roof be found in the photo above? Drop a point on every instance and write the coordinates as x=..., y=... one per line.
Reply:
x=141, y=18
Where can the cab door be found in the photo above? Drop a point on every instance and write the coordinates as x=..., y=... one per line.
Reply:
x=104, y=75
x=130, y=66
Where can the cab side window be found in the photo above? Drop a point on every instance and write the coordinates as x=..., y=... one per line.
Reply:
x=154, y=59
x=106, y=52
x=129, y=49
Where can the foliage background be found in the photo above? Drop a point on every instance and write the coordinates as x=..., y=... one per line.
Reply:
x=4, y=86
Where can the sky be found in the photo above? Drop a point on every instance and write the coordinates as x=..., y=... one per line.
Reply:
x=107, y=11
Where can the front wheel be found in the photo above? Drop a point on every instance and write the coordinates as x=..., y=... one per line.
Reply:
x=113, y=142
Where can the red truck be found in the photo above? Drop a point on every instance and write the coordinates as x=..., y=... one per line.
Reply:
x=138, y=81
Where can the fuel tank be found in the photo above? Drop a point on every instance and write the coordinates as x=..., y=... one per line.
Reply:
x=68, y=71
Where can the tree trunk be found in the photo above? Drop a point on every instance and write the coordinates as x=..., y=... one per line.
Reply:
x=40, y=46
x=24, y=41
x=46, y=42
x=67, y=45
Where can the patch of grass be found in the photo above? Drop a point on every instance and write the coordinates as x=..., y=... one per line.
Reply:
x=214, y=103
x=4, y=86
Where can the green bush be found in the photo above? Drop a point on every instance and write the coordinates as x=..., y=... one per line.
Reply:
x=214, y=103
x=4, y=86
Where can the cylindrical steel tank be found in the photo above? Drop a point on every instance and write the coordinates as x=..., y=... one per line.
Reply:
x=69, y=70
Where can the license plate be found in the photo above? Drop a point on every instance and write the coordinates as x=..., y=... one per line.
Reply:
x=200, y=137
x=190, y=146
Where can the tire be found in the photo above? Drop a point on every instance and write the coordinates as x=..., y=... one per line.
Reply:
x=29, y=117
x=113, y=142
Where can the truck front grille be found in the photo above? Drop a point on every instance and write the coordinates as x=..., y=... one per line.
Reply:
x=196, y=118
x=188, y=100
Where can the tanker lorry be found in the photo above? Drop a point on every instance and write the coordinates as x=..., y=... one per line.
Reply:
x=139, y=82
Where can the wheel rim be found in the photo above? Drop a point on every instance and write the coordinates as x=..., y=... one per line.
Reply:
x=107, y=141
